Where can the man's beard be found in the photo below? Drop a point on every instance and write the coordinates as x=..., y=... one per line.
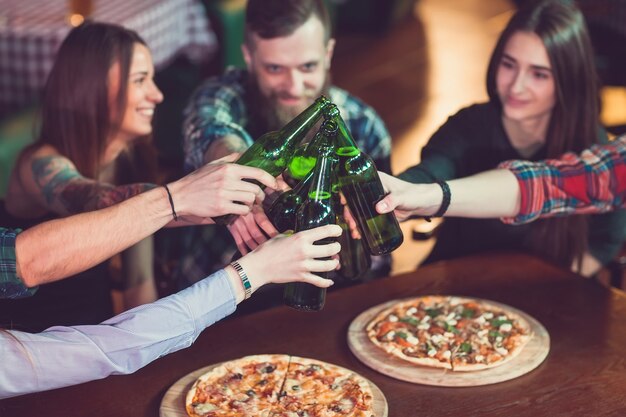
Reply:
x=266, y=114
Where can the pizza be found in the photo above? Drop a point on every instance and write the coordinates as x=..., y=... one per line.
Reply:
x=279, y=386
x=454, y=333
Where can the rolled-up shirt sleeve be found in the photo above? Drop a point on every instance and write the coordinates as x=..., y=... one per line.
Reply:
x=592, y=182
x=11, y=286
x=215, y=110
x=63, y=356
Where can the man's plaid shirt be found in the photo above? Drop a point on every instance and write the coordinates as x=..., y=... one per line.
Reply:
x=11, y=286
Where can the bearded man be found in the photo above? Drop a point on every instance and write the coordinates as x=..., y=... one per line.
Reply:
x=287, y=49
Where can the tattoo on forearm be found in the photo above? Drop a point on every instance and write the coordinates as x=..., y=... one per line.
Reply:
x=66, y=190
x=52, y=173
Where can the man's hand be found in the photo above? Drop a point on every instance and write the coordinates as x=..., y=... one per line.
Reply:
x=251, y=230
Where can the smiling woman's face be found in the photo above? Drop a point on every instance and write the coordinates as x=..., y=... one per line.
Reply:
x=142, y=95
x=524, y=79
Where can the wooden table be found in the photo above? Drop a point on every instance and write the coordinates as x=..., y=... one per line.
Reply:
x=584, y=374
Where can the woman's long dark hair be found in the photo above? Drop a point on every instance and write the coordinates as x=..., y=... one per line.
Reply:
x=574, y=123
x=75, y=113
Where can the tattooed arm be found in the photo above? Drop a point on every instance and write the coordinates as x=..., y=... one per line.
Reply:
x=51, y=183
x=56, y=185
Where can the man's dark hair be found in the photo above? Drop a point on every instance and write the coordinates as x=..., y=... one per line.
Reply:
x=278, y=18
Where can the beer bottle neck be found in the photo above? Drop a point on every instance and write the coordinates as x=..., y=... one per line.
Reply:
x=301, y=124
x=302, y=188
x=321, y=186
x=344, y=142
x=325, y=137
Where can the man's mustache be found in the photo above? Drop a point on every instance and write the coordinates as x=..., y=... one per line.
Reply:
x=287, y=96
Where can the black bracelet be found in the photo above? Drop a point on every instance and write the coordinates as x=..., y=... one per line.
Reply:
x=169, y=195
x=445, y=203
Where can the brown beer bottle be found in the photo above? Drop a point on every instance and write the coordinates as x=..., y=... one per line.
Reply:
x=317, y=210
x=273, y=150
x=359, y=182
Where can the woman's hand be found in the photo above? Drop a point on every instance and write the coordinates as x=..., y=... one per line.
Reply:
x=218, y=188
x=293, y=258
x=407, y=199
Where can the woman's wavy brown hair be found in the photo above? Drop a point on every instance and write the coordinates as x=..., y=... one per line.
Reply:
x=75, y=113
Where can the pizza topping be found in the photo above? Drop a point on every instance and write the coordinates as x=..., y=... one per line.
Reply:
x=345, y=404
x=390, y=335
x=412, y=340
x=203, y=408
x=410, y=320
x=434, y=312
x=465, y=347
x=506, y=327
x=268, y=369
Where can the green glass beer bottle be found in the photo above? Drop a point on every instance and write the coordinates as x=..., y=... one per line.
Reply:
x=355, y=260
x=359, y=182
x=273, y=150
x=317, y=210
x=305, y=156
x=282, y=212
x=299, y=166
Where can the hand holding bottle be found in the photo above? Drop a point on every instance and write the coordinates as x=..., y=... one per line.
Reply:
x=406, y=199
x=217, y=188
x=293, y=258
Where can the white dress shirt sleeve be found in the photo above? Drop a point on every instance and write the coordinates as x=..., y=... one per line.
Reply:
x=63, y=356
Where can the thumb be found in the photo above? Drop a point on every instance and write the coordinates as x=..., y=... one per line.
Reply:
x=386, y=204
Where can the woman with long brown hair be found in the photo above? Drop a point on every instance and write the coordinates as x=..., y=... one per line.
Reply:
x=543, y=101
x=97, y=107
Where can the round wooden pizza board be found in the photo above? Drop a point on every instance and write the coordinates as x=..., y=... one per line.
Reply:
x=173, y=403
x=531, y=356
